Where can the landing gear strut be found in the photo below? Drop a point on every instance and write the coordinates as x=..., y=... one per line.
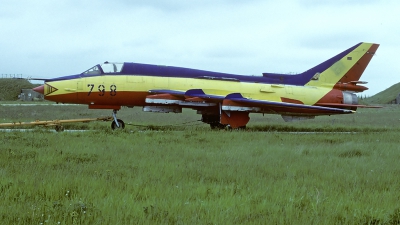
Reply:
x=117, y=123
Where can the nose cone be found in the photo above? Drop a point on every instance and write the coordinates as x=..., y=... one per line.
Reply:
x=39, y=89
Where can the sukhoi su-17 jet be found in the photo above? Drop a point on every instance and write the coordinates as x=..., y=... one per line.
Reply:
x=222, y=99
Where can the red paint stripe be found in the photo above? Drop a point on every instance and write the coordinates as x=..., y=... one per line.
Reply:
x=290, y=100
x=357, y=70
x=96, y=100
x=122, y=98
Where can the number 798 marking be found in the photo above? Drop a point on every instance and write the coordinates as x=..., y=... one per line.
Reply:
x=102, y=90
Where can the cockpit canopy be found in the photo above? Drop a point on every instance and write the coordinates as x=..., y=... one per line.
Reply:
x=104, y=68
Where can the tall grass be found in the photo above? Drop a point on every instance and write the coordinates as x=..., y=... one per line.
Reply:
x=386, y=118
x=199, y=177
x=172, y=169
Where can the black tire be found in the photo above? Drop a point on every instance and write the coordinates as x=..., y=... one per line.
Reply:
x=120, y=122
x=59, y=128
x=217, y=125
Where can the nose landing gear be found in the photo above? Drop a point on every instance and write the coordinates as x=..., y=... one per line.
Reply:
x=117, y=123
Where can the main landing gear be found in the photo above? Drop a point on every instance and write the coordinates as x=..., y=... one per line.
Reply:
x=117, y=123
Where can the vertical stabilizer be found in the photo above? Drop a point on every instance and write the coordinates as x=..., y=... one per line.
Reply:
x=357, y=70
x=349, y=67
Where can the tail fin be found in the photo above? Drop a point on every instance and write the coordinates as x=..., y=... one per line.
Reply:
x=347, y=69
x=357, y=70
x=303, y=78
x=353, y=71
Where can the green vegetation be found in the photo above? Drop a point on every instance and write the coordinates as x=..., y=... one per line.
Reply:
x=11, y=88
x=382, y=119
x=172, y=169
x=386, y=96
x=199, y=177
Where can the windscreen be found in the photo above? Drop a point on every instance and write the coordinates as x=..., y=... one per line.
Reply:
x=95, y=70
x=112, y=67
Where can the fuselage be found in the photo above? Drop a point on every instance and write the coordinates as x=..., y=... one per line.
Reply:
x=130, y=83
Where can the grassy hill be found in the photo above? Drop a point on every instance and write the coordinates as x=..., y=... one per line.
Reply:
x=10, y=88
x=386, y=96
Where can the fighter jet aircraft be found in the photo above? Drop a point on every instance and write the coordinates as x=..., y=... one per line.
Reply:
x=222, y=99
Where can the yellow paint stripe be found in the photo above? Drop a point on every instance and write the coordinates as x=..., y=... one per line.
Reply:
x=308, y=95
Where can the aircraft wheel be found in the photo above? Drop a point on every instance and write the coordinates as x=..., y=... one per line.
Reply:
x=59, y=128
x=121, y=124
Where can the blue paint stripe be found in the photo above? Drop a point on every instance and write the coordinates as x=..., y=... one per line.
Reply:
x=200, y=94
x=305, y=77
x=171, y=71
x=234, y=96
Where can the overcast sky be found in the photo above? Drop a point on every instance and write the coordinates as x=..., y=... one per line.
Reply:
x=50, y=38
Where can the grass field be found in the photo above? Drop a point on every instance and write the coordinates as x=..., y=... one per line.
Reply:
x=172, y=169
